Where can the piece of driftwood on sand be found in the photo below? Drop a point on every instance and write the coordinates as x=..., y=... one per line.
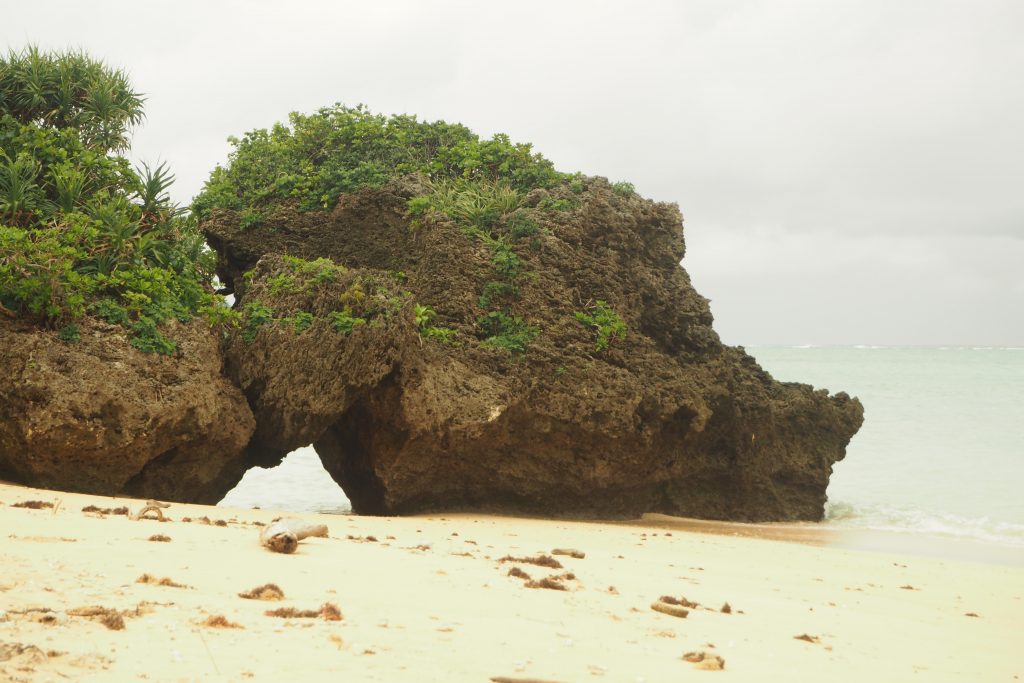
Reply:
x=283, y=535
x=151, y=506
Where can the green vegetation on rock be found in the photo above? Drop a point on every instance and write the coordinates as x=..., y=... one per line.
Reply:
x=605, y=322
x=507, y=332
x=344, y=322
x=317, y=157
x=478, y=184
x=255, y=315
x=300, y=321
x=424, y=317
x=81, y=231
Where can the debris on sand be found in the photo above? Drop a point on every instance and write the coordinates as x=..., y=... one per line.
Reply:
x=362, y=539
x=705, y=660
x=671, y=610
x=268, y=591
x=151, y=506
x=682, y=602
x=106, y=511
x=110, y=618
x=220, y=621
x=162, y=538
x=33, y=504
x=166, y=581
x=519, y=574
x=807, y=638
x=539, y=560
x=283, y=535
x=292, y=613
x=554, y=582
x=570, y=552
x=328, y=611
x=726, y=609
x=30, y=653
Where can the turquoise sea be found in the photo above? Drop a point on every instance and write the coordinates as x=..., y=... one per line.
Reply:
x=941, y=452
x=942, y=447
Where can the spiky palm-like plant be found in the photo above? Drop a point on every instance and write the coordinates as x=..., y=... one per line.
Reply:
x=70, y=90
x=20, y=195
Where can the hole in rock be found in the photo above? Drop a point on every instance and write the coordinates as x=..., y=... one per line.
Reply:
x=299, y=484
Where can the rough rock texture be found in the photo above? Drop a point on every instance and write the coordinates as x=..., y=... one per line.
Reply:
x=99, y=416
x=668, y=420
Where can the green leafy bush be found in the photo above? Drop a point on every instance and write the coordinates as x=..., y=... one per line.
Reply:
x=344, y=322
x=300, y=321
x=551, y=203
x=623, y=189
x=521, y=224
x=282, y=282
x=314, y=158
x=504, y=259
x=478, y=184
x=254, y=316
x=148, y=338
x=494, y=291
x=81, y=231
x=250, y=218
x=317, y=271
x=70, y=333
x=111, y=311
x=606, y=324
x=507, y=332
x=424, y=316
x=444, y=335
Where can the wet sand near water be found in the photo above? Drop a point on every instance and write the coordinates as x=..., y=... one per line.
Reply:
x=892, y=542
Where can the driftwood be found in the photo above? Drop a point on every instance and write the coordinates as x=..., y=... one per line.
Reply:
x=283, y=536
x=151, y=506
x=671, y=610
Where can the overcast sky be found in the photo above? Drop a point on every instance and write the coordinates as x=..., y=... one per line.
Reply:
x=849, y=172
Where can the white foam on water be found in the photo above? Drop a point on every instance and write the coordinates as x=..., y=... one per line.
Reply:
x=909, y=520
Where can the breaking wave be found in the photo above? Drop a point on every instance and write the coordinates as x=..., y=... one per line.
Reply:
x=909, y=520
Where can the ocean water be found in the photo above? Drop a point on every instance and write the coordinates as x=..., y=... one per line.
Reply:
x=299, y=484
x=941, y=452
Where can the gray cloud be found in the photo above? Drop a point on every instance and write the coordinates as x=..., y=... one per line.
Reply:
x=849, y=172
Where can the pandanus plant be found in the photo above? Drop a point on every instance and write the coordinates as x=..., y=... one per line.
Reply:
x=20, y=194
x=70, y=90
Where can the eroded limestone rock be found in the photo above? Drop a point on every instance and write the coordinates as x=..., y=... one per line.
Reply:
x=99, y=416
x=666, y=420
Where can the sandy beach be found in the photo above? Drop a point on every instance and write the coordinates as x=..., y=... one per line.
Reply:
x=432, y=599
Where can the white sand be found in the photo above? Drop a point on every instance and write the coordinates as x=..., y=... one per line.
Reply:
x=429, y=601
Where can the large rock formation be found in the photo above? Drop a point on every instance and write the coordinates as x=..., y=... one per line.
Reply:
x=666, y=420
x=99, y=416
